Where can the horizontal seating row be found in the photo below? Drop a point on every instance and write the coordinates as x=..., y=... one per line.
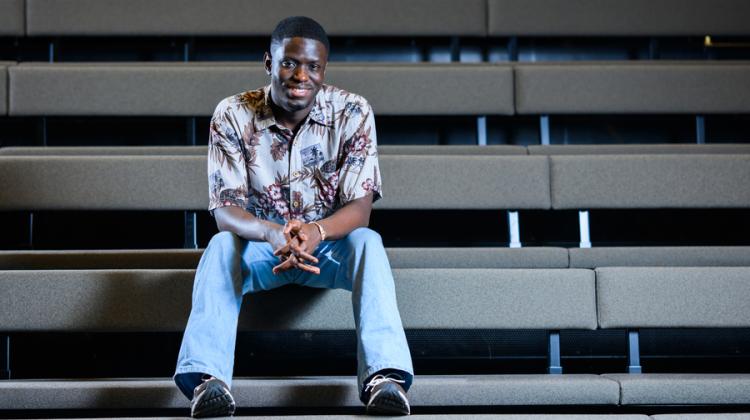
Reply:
x=547, y=299
x=423, y=257
x=133, y=300
x=625, y=297
x=384, y=18
x=706, y=416
x=408, y=150
x=702, y=416
x=428, y=391
x=315, y=392
x=412, y=182
x=193, y=89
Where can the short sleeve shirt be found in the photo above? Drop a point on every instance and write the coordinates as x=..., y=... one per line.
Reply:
x=261, y=166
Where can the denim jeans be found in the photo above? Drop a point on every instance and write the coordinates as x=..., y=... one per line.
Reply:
x=231, y=267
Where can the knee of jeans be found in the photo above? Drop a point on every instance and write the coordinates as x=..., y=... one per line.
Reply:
x=225, y=242
x=363, y=237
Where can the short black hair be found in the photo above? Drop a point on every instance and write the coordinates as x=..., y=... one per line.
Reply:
x=299, y=26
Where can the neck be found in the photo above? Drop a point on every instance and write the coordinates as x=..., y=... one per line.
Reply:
x=290, y=119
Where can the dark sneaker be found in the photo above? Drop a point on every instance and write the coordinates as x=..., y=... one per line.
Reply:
x=212, y=399
x=385, y=395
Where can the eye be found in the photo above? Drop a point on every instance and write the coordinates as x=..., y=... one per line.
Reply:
x=287, y=64
x=315, y=67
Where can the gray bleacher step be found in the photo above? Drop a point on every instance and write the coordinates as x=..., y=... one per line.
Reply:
x=402, y=257
x=703, y=416
x=659, y=256
x=415, y=182
x=683, y=389
x=133, y=300
x=476, y=390
x=433, y=416
x=383, y=149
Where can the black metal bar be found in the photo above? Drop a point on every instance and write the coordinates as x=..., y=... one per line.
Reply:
x=634, y=352
x=455, y=49
x=653, y=49
x=555, y=368
x=513, y=49
x=700, y=129
x=187, y=49
x=43, y=130
x=31, y=230
x=191, y=228
x=191, y=123
x=5, y=356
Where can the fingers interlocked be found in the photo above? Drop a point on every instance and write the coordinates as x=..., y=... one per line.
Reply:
x=293, y=254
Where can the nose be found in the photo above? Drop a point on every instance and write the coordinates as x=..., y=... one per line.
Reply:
x=300, y=74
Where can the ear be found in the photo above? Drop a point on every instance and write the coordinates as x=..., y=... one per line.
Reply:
x=267, y=62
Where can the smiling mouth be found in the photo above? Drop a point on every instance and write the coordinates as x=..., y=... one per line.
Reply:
x=298, y=92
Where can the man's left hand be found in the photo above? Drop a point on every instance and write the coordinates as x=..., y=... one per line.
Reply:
x=302, y=241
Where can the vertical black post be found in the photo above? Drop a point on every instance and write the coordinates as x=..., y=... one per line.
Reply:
x=191, y=230
x=43, y=130
x=187, y=50
x=700, y=129
x=634, y=352
x=31, y=230
x=513, y=49
x=191, y=131
x=51, y=51
x=5, y=356
x=455, y=49
x=653, y=49
x=555, y=368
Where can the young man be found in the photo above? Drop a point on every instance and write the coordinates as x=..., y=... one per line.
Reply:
x=293, y=172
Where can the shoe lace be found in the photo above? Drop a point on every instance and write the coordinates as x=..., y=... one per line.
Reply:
x=379, y=379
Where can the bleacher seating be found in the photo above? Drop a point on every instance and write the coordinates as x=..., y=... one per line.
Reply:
x=235, y=17
x=191, y=89
x=632, y=87
x=615, y=18
x=553, y=288
x=12, y=18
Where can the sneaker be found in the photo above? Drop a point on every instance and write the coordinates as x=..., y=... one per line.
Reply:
x=385, y=395
x=212, y=399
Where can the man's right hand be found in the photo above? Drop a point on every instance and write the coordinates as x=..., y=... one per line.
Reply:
x=290, y=244
x=287, y=242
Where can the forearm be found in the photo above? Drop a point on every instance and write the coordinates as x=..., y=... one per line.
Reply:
x=243, y=224
x=353, y=215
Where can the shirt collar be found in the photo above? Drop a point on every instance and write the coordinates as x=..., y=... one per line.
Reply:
x=264, y=115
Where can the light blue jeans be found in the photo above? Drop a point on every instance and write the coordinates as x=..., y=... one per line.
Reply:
x=231, y=267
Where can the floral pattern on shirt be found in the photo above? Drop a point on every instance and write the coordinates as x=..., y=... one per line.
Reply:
x=259, y=165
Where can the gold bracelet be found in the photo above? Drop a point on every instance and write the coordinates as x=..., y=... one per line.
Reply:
x=321, y=230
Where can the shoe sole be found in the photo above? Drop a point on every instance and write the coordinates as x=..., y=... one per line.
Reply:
x=388, y=404
x=214, y=402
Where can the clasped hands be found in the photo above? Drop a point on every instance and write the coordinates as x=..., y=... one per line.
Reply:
x=301, y=241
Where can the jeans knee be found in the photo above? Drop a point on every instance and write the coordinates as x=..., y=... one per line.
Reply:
x=364, y=237
x=223, y=242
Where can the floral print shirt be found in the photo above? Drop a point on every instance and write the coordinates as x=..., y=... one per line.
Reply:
x=259, y=165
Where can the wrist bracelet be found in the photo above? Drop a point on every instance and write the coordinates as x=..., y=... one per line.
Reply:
x=321, y=230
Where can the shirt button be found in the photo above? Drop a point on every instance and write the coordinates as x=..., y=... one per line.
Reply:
x=295, y=174
x=295, y=204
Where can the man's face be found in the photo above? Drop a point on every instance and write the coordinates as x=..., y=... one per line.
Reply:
x=297, y=68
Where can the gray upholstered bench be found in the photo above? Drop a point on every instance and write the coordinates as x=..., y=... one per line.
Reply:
x=675, y=297
x=108, y=299
x=646, y=177
x=3, y=84
x=193, y=89
x=132, y=300
x=203, y=150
